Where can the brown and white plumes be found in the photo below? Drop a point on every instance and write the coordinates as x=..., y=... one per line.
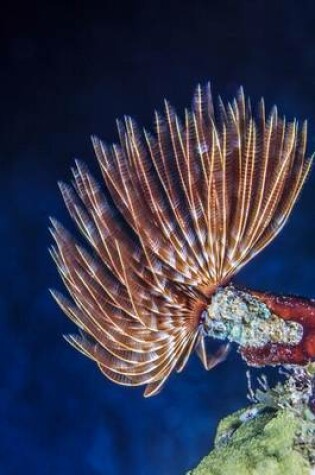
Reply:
x=182, y=210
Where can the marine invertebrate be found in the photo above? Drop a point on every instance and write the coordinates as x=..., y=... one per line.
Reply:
x=184, y=210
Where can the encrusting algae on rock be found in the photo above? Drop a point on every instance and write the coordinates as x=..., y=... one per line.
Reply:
x=274, y=436
x=261, y=446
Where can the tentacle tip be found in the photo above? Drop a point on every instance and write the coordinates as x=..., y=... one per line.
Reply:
x=54, y=293
x=55, y=223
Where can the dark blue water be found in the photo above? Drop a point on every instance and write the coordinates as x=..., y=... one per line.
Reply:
x=67, y=72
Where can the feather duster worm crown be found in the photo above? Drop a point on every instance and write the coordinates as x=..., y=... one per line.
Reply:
x=183, y=210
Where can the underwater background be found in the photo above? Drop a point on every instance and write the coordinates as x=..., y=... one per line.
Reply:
x=68, y=70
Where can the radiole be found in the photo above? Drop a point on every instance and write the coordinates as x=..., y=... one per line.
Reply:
x=190, y=204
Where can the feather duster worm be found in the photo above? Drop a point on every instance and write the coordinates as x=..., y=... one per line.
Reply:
x=183, y=210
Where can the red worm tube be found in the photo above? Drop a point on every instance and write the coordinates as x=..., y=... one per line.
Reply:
x=300, y=310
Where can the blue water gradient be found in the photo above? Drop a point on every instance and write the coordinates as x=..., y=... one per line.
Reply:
x=67, y=72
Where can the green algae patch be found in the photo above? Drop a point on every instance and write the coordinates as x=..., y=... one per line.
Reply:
x=256, y=441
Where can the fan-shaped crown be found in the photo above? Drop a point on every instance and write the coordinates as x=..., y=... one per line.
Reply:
x=184, y=209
